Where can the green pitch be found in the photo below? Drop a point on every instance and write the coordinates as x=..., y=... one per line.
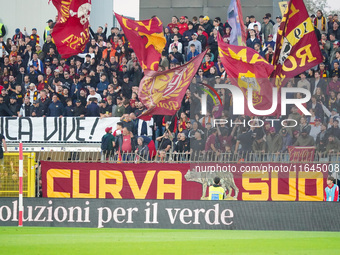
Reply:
x=34, y=240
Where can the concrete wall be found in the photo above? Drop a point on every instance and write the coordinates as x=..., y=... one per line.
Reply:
x=29, y=13
x=213, y=8
x=34, y=13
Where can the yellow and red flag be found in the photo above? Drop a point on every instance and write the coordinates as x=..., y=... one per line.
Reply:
x=162, y=92
x=71, y=32
x=297, y=48
x=246, y=68
x=146, y=38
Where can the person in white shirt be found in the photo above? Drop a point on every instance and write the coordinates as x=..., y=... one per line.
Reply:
x=93, y=94
x=315, y=129
x=253, y=22
x=176, y=43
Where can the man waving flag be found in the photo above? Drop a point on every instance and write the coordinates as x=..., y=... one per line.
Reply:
x=297, y=48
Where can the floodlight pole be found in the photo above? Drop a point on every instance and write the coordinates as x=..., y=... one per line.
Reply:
x=21, y=170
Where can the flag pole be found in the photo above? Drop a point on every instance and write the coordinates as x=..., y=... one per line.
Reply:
x=21, y=170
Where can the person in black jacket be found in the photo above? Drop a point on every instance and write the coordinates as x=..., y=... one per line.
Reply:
x=4, y=110
x=69, y=109
x=79, y=109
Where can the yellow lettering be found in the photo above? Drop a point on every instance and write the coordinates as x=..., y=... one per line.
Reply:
x=255, y=186
x=291, y=196
x=302, y=186
x=56, y=173
x=113, y=189
x=293, y=10
x=241, y=55
x=92, y=187
x=257, y=58
x=294, y=64
x=175, y=188
x=307, y=53
x=139, y=193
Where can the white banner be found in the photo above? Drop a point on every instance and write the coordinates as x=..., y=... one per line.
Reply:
x=55, y=129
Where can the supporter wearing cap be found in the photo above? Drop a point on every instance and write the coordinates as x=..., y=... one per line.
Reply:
x=39, y=51
x=207, y=25
x=37, y=109
x=197, y=43
x=267, y=28
x=107, y=144
x=35, y=38
x=18, y=35
x=105, y=110
x=276, y=26
x=79, y=109
x=182, y=26
x=120, y=109
x=303, y=82
x=47, y=30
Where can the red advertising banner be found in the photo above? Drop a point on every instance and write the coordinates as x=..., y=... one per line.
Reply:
x=259, y=182
x=301, y=153
x=71, y=32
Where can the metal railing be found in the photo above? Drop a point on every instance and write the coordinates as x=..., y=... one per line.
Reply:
x=173, y=157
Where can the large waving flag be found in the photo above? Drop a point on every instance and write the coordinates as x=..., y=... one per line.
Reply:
x=162, y=92
x=235, y=19
x=246, y=68
x=71, y=32
x=146, y=38
x=297, y=47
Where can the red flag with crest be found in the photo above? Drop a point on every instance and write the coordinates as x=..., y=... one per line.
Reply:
x=162, y=92
x=297, y=48
x=71, y=32
x=247, y=69
x=146, y=38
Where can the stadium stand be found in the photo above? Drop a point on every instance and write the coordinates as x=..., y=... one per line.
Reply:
x=103, y=82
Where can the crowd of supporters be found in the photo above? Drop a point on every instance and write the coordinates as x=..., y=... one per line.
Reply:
x=103, y=81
